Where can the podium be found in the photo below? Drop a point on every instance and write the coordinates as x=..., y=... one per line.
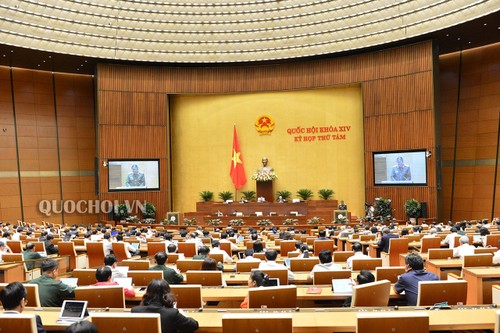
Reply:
x=265, y=189
x=344, y=213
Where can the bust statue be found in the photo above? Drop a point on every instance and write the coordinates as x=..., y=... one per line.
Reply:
x=265, y=172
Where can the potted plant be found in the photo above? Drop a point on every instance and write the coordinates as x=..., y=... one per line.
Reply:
x=383, y=209
x=248, y=195
x=325, y=193
x=206, y=196
x=121, y=212
x=412, y=209
x=305, y=194
x=225, y=195
x=284, y=194
x=149, y=211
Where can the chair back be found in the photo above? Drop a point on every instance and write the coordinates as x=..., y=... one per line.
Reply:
x=101, y=296
x=366, y=238
x=492, y=240
x=120, y=251
x=68, y=249
x=390, y=273
x=430, y=243
x=112, y=322
x=452, y=291
x=25, y=323
x=303, y=264
x=366, y=263
x=226, y=247
x=371, y=294
x=189, y=249
x=382, y=322
x=15, y=246
x=342, y=256
x=39, y=247
x=261, y=256
x=95, y=253
x=246, y=266
x=86, y=277
x=155, y=247
x=479, y=250
x=397, y=246
x=134, y=265
x=273, y=297
x=326, y=277
x=185, y=265
x=188, y=296
x=218, y=257
x=286, y=246
x=320, y=245
x=440, y=254
x=281, y=274
x=142, y=278
x=32, y=291
x=261, y=322
x=478, y=260
x=205, y=278
x=172, y=258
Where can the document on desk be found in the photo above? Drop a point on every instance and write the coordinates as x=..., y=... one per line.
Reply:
x=313, y=290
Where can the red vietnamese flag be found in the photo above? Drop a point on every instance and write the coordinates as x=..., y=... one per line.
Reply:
x=237, y=172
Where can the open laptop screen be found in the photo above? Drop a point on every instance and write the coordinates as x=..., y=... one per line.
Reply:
x=73, y=310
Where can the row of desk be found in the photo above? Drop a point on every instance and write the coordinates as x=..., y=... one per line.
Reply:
x=320, y=320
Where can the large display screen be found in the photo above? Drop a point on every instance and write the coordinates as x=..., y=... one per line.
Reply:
x=400, y=168
x=133, y=175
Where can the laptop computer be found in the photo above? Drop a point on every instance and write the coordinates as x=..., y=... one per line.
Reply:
x=476, y=238
x=123, y=269
x=72, y=282
x=135, y=245
x=274, y=282
x=73, y=311
x=124, y=282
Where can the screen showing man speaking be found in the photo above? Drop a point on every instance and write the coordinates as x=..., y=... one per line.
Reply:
x=133, y=175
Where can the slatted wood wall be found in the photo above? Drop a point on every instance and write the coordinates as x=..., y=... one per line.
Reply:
x=397, y=96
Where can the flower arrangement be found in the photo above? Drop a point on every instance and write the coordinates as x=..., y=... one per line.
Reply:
x=169, y=222
x=341, y=219
x=314, y=220
x=190, y=222
x=290, y=221
x=214, y=222
x=237, y=222
x=132, y=219
x=149, y=221
x=263, y=176
x=264, y=223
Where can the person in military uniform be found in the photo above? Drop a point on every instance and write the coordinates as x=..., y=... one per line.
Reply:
x=400, y=171
x=135, y=178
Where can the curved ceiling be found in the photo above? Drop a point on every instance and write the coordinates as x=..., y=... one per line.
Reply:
x=202, y=32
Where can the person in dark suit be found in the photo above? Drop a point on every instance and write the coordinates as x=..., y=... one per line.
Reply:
x=383, y=242
x=50, y=248
x=342, y=205
x=408, y=282
x=158, y=299
x=14, y=301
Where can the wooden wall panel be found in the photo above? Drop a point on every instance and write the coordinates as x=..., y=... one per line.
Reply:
x=470, y=131
x=27, y=105
x=398, y=100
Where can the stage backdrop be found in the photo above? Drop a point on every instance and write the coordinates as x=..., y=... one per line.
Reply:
x=317, y=142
